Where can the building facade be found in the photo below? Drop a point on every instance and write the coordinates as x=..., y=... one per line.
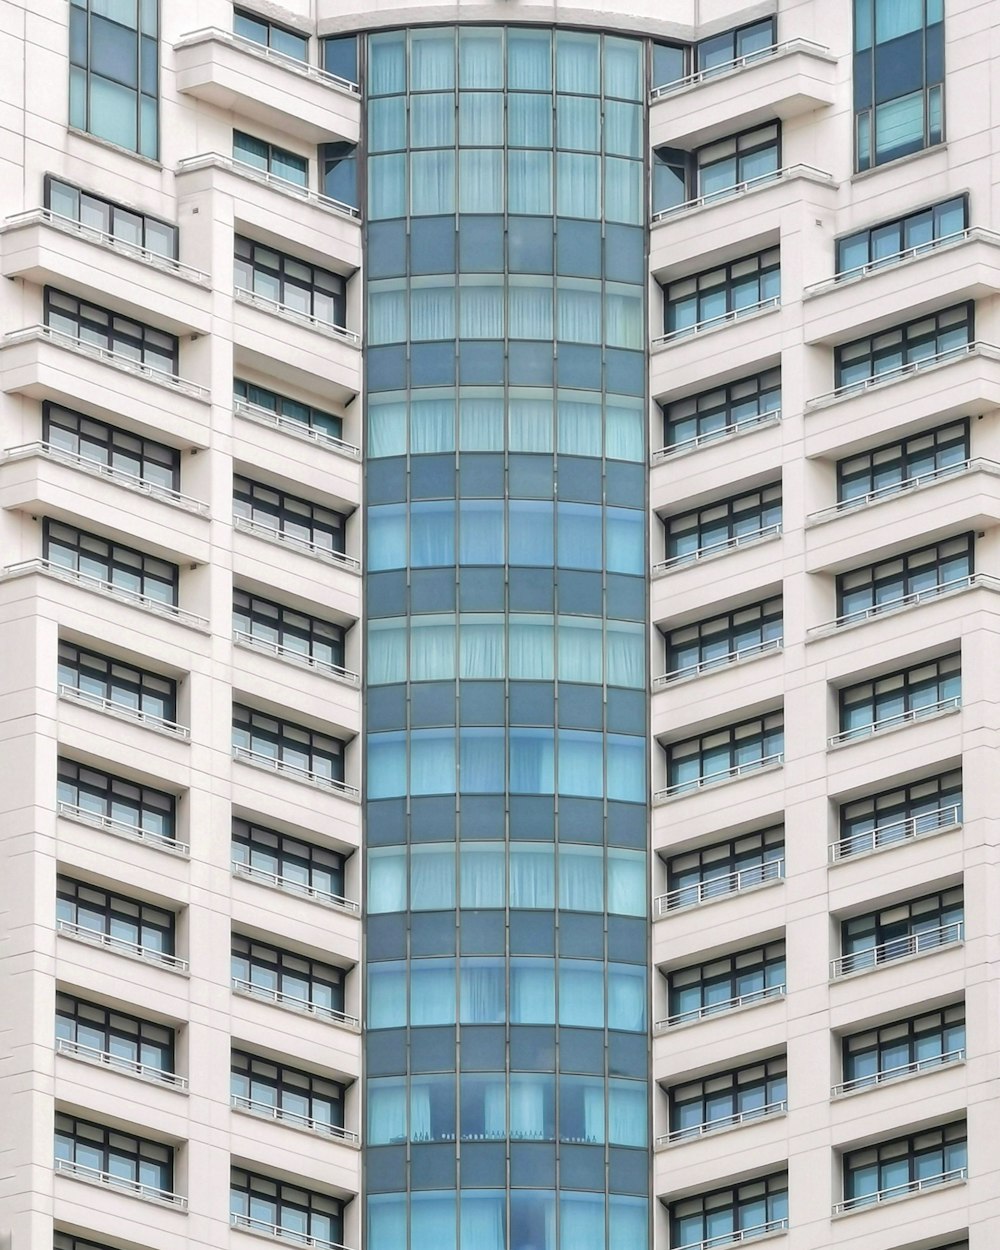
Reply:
x=498, y=625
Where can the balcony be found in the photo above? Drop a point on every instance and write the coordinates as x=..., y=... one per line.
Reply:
x=898, y=721
x=94, y=1176
x=118, y=1063
x=905, y=486
x=912, y=600
x=693, y=1132
x=714, y=889
x=689, y=445
x=121, y=829
x=307, y=547
x=109, y=707
x=864, y=1201
x=278, y=1232
x=256, y=82
x=741, y=656
x=297, y=429
x=885, y=1075
x=280, y=1115
x=258, y=759
x=293, y=1003
x=288, y=655
x=739, y=343
x=120, y=946
x=739, y=1236
x=712, y=550
x=722, y=777
x=767, y=994
x=293, y=886
x=898, y=948
x=885, y=836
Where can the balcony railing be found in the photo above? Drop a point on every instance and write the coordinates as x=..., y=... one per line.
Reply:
x=724, y=545
x=903, y=486
x=292, y=1002
x=764, y=995
x=901, y=1191
x=847, y=276
x=897, y=831
x=947, y=357
x=269, y=1111
x=250, y=1224
x=894, y=722
x=292, y=886
x=295, y=771
x=262, y=530
x=89, y=582
x=716, y=323
x=737, y=63
x=243, y=639
x=712, y=436
x=121, y=946
x=131, y=1067
x=738, y=1236
x=884, y=1075
x=118, y=360
x=858, y=617
x=216, y=160
x=692, y=1131
x=897, y=948
x=744, y=188
x=279, y=309
x=725, y=774
x=253, y=412
x=73, y=811
x=715, y=888
x=68, y=225
x=750, y=652
x=302, y=68
x=87, y=697
x=81, y=1172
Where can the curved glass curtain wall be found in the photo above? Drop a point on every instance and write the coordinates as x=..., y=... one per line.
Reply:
x=506, y=1051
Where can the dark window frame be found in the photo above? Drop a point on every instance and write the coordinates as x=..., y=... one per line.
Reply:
x=285, y=1085
x=280, y=510
x=121, y=335
x=736, y=37
x=902, y=346
x=903, y=575
x=887, y=1042
x=750, y=1089
x=878, y=697
x=693, y=872
x=736, y=1199
x=157, y=463
x=704, y=409
x=895, y=931
x=319, y=636
x=903, y=226
x=768, y=732
x=947, y=1141
x=699, y=293
x=268, y=157
x=147, y=693
x=116, y=557
x=905, y=459
x=112, y=211
x=141, y=1154
x=250, y=956
x=270, y=28
x=326, y=423
x=719, y=523
x=900, y=804
x=155, y=810
x=264, y=271
x=756, y=972
x=745, y=145
x=116, y=911
x=155, y=1045
x=699, y=646
x=323, y=1215
x=252, y=728
x=322, y=869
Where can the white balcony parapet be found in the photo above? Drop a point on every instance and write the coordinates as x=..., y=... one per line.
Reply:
x=750, y=652
x=302, y=68
x=300, y=544
x=159, y=841
x=693, y=1131
x=738, y=63
x=971, y=580
x=278, y=309
x=900, y=1191
x=89, y=582
x=292, y=886
x=744, y=188
x=130, y=1067
x=907, y=830
x=767, y=994
x=745, y=426
x=717, y=323
x=253, y=412
x=903, y=486
x=884, y=1075
x=121, y=946
x=68, y=225
x=738, y=1236
x=293, y=1003
x=259, y=760
x=847, y=276
x=216, y=160
x=81, y=1172
x=269, y=1111
x=710, y=550
x=939, y=359
x=74, y=694
x=895, y=722
x=725, y=774
x=243, y=639
x=120, y=477
x=716, y=888
x=897, y=948
x=118, y=360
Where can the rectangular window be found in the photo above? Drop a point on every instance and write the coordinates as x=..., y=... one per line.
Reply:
x=114, y=69
x=339, y=165
x=751, y=744
x=288, y=745
x=288, y=410
x=726, y=1098
x=900, y=697
x=730, y=164
x=671, y=178
x=722, y=984
x=110, y=447
x=270, y=35
x=122, y=1159
x=276, y=1207
x=887, y=242
x=905, y=1164
x=724, y=639
x=285, y=977
x=721, y=294
x=121, y=567
x=340, y=57
x=891, y=467
x=109, y=680
x=903, y=1047
x=725, y=867
x=297, y=286
x=927, y=572
x=910, y=345
x=911, y=928
x=288, y=861
x=128, y=1041
x=728, y=523
x=723, y=410
x=270, y=159
x=123, y=225
x=733, y=1214
x=274, y=625
x=289, y=515
x=110, y=331
x=903, y=812
x=286, y=1093
x=138, y=925
x=98, y=794
x=743, y=43
x=669, y=64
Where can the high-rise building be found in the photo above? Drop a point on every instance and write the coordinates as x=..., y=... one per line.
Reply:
x=499, y=636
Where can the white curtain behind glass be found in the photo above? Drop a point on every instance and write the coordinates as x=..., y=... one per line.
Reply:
x=481, y=647
x=482, y=757
x=578, y=185
x=387, y=428
x=432, y=425
x=578, y=63
x=386, y=317
x=527, y=1107
x=480, y=175
x=532, y=991
x=432, y=60
x=580, y=650
x=627, y=1113
x=627, y=1223
x=623, y=190
x=626, y=998
x=626, y=656
x=482, y=872
x=529, y=60
x=531, y=761
x=386, y=880
x=531, y=310
x=579, y=314
x=387, y=1111
x=432, y=189
x=432, y=992
x=579, y=427
x=483, y=1220
x=420, y=1111
x=432, y=313
x=530, y=648
x=432, y=761
x=581, y=763
x=483, y=994
x=532, y=876
x=432, y=1220
x=626, y=883
x=432, y=120
x=623, y=310
x=432, y=878
x=897, y=17
x=530, y=424
x=529, y=182
x=385, y=660
x=481, y=423
x=432, y=649
x=624, y=430
x=581, y=993
x=581, y=878
x=481, y=311
x=480, y=58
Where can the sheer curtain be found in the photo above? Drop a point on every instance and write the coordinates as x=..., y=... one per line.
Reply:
x=529, y=59
x=623, y=312
x=386, y=880
x=897, y=17
x=482, y=757
x=529, y=121
x=481, y=531
x=626, y=883
x=578, y=63
x=386, y=427
x=432, y=992
x=387, y=995
x=529, y=182
x=432, y=648
x=581, y=878
x=532, y=875
x=530, y=534
x=626, y=998
x=480, y=180
x=432, y=120
x=387, y=124
x=385, y=659
x=579, y=536
x=432, y=877
x=627, y=1114
x=579, y=313
x=481, y=647
x=480, y=57
x=527, y=1107
x=483, y=1221
x=626, y=531
x=530, y=420
x=623, y=424
x=581, y=993
x=481, y=423
x=387, y=1221
x=432, y=1220
x=432, y=189
x=432, y=312
x=578, y=123
x=580, y=650
x=581, y=763
x=480, y=119
x=432, y=424
x=420, y=1110
x=483, y=991
x=495, y=1107
x=626, y=768
x=481, y=310
x=623, y=129
x=482, y=868
x=593, y=1109
x=386, y=774
x=530, y=641
x=386, y=1110
x=387, y=536
x=622, y=68
x=579, y=426
x=623, y=190
x=432, y=761
x=387, y=64
x=581, y=1221
x=532, y=991
x=626, y=656
x=432, y=533
x=531, y=761
x=386, y=316
x=386, y=187
x=432, y=60
x=578, y=185
x=531, y=309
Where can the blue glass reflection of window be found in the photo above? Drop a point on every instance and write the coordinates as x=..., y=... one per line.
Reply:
x=432, y=761
x=340, y=173
x=531, y=537
x=432, y=877
x=386, y=64
x=386, y=772
x=481, y=762
x=581, y=766
x=626, y=533
x=386, y=1099
x=340, y=57
x=532, y=876
x=482, y=871
x=483, y=1218
x=432, y=534
x=481, y=531
x=482, y=982
x=432, y=992
x=627, y=768
x=529, y=60
x=628, y=1221
x=386, y=995
x=627, y=997
x=531, y=761
x=581, y=876
x=578, y=63
x=580, y=543
x=532, y=991
x=581, y=993
x=387, y=537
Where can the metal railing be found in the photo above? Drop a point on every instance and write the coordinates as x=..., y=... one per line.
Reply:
x=723, y=1122
x=898, y=831
x=120, y=477
x=749, y=652
x=739, y=62
x=89, y=582
x=269, y=1111
x=725, y=774
x=269, y=54
x=717, y=549
x=69, y=225
x=738, y=1236
x=160, y=841
x=743, y=188
x=253, y=412
x=764, y=995
x=715, y=888
x=131, y=1067
x=121, y=945
x=293, y=1002
x=847, y=276
x=216, y=160
x=903, y=486
x=985, y=580
x=883, y=1075
x=895, y=721
x=81, y=1171
x=107, y=355
x=250, y=1224
x=295, y=771
x=243, y=639
x=291, y=886
x=901, y=1191
x=711, y=436
x=87, y=697
x=716, y=323
x=308, y=320
x=947, y=357
x=269, y=532
x=897, y=948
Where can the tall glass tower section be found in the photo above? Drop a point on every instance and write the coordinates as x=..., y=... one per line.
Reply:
x=507, y=1051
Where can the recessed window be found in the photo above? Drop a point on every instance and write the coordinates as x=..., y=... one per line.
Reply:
x=907, y=811
x=727, y=523
x=270, y=35
x=900, y=697
x=114, y=72
x=123, y=225
x=890, y=351
x=925, y=572
x=118, y=1158
x=916, y=232
x=288, y=861
x=122, y=567
x=904, y=1047
x=724, y=753
x=128, y=1041
x=110, y=447
x=296, y=285
x=718, y=295
x=280, y=1209
x=99, y=327
x=744, y=42
x=888, y=468
x=270, y=159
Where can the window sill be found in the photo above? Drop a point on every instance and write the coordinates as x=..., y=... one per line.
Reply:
x=148, y=161
x=864, y=174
